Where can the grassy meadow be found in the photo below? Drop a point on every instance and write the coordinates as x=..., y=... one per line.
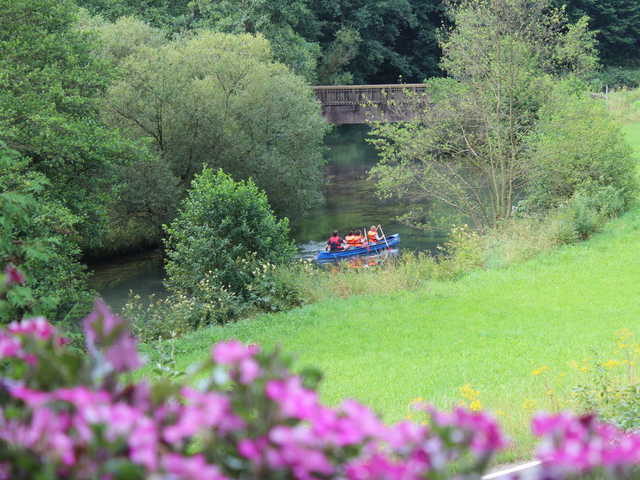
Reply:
x=519, y=337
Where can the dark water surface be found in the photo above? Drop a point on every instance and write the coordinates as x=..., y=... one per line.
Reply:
x=350, y=203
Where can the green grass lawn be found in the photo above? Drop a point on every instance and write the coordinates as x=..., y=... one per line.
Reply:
x=490, y=329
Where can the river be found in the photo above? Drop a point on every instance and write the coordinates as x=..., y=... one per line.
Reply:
x=350, y=203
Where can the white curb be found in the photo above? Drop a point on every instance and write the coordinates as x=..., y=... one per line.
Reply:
x=523, y=470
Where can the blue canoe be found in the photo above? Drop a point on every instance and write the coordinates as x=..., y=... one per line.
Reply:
x=392, y=241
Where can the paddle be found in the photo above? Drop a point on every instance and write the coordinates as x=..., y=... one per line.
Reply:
x=364, y=233
x=384, y=236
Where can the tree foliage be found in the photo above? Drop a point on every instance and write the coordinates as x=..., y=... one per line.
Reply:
x=220, y=100
x=51, y=84
x=38, y=234
x=578, y=148
x=467, y=149
x=617, y=23
x=224, y=234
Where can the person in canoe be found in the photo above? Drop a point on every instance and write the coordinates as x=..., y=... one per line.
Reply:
x=372, y=235
x=350, y=239
x=335, y=243
x=360, y=239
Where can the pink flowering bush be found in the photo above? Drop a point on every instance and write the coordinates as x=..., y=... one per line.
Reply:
x=241, y=414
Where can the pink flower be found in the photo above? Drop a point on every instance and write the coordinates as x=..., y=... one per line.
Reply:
x=239, y=356
x=11, y=347
x=81, y=396
x=13, y=276
x=191, y=468
x=253, y=449
x=36, y=327
x=143, y=442
x=299, y=450
x=202, y=411
x=294, y=400
x=576, y=445
x=123, y=354
x=249, y=371
x=232, y=352
x=106, y=331
x=32, y=398
x=478, y=428
x=405, y=433
x=377, y=466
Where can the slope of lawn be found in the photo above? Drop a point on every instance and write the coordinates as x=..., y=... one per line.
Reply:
x=490, y=329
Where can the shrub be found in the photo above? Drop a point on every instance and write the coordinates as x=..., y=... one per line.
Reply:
x=67, y=414
x=611, y=388
x=227, y=235
x=462, y=252
x=578, y=148
x=38, y=234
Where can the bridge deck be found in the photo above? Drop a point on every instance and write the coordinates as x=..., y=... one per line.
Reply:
x=359, y=103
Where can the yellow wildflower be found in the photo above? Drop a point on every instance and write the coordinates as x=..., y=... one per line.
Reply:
x=475, y=405
x=529, y=404
x=469, y=393
x=540, y=371
x=611, y=364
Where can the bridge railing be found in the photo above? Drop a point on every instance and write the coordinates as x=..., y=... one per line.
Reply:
x=336, y=95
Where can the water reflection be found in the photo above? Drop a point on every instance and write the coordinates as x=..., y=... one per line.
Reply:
x=350, y=204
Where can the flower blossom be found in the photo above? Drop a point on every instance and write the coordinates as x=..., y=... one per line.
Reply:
x=108, y=332
x=203, y=411
x=479, y=428
x=13, y=276
x=191, y=468
x=294, y=400
x=38, y=328
x=239, y=356
x=580, y=444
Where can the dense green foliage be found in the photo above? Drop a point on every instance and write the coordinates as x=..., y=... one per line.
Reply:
x=617, y=23
x=224, y=238
x=364, y=41
x=578, y=148
x=38, y=234
x=50, y=87
x=337, y=41
x=220, y=100
x=468, y=150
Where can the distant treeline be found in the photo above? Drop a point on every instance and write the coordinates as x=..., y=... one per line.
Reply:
x=365, y=41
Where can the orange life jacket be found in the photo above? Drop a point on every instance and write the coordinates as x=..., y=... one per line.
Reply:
x=373, y=236
x=350, y=239
x=358, y=240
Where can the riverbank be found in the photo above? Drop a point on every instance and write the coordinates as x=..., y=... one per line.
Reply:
x=492, y=330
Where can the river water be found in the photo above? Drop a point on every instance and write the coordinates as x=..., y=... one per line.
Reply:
x=350, y=203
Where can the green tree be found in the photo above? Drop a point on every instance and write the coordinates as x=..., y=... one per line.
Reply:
x=220, y=100
x=578, y=148
x=283, y=22
x=397, y=37
x=172, y=15
x=466, y=148
x=38, y=235
x=224, y=234
x=617, y=23
x=125, y=36
x=51, y=84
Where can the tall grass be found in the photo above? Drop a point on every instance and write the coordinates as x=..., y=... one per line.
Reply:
x=373, y=275
x=624, y=105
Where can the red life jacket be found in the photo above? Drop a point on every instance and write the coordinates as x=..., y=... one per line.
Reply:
x=335, y=243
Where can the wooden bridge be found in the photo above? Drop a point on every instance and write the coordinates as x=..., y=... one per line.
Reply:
x=349, y=104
